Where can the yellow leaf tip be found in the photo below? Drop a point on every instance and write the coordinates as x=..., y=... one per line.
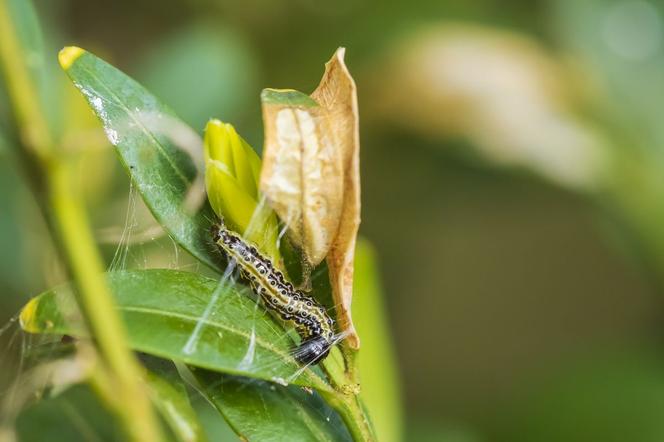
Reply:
x=215, y=122
x=68, y=55
x=27, y=318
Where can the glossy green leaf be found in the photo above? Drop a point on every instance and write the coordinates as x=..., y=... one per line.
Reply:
x=144, y=132
x=261, y=411
x=185, y=317
x=255, y=409
x=377, y=362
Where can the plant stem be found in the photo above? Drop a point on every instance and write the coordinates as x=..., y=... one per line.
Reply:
x=349, y=408
x=98, y=304
x=345, y=398
x=71, y=224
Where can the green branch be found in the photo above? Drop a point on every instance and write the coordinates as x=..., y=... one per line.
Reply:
x=345, y=397
x=98, y=305
x=76, y=238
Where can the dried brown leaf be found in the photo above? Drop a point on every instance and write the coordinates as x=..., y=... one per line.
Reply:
x=311, y=177
x=338, y=94
x=302, y=175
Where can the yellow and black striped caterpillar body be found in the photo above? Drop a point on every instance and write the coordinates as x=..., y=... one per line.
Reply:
x=305, y=314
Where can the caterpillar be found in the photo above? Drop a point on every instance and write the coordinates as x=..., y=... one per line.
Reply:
x=294, y=307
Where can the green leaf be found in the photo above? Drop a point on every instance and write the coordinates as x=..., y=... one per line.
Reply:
x=143, y=131
x=185, y=317
x=287, y=97
x=42, y=72
x=199, y=415
x=172, y=401
x=214, y=424
x=377, y=363
x=258, y=410
x=224, y=81
x=223, y=144
x=232, y=170
x=609, y=396
x=77, y=414
x=73, y=416
x=17, y=206
x=29, y=34
x=621, y=43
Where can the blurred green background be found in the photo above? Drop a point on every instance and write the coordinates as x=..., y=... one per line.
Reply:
x=513, y=186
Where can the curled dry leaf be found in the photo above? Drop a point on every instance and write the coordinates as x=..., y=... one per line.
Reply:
x=504, y=92
x=302, y=173
x=311, y=175
x=337, y=93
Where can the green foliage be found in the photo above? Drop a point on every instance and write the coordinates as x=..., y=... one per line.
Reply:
x=161, y=309
x=287, y=97
x=223, y=82
x=612, y=398
x=76, y=415
x=232, y=170
x=380, y=388
x=239, y=357
x=266, y=412
x=225, y=348
x=171, y=399
x=145, y=131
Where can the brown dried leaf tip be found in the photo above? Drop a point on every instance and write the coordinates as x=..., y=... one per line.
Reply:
x=311, y=176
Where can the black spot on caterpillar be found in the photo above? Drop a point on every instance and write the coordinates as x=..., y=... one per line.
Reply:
x=305, y=314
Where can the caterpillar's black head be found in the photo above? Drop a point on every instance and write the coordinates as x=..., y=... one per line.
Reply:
x=313, y=350
x=216, y=229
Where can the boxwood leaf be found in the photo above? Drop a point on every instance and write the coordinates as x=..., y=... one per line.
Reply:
x=185, y=317
x=258, y=410
x=172, y=401
x=76, y=415
x=145, y=132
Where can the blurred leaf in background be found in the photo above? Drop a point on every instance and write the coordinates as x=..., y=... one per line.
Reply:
x=620, y=43
x=381, y=387
x=611, y=397
x=203, y=70
x=500, y=90
x=21, y=266
x=75, y=415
